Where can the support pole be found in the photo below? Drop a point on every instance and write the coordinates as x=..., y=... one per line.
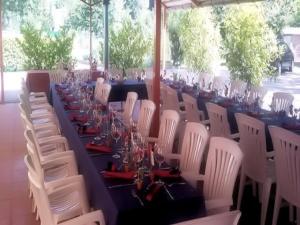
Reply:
x=164, y=37
x=106, y=3
x=156, y=69
x=1, y=56
x=91, y=37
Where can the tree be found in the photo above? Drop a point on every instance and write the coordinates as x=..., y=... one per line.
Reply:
x=295, y=18
x=128, y=46
x=132, y=6
x=278, y=13
x=249, y=45
x=80, y=19
x=199, y=39
x=42, y=51
x=174, y=36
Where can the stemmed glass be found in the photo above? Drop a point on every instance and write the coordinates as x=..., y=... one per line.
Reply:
x=158, y=155
x=98, y=120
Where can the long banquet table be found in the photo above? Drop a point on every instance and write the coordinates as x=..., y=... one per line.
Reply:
x=118, y=205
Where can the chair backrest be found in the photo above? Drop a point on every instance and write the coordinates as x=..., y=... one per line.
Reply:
x=256, y=92
x=194, y=142
x=129, y=106
x=145, y=117
x=149, y=86
x=164, y=95
x=287, y=163
x=191, y=108
x=237, y=87
x=219, y=83
x=222, y=166
x=281, y=101
x=219, y=125
x=172, y=101
x=204, y=80
x=100, y=80
x=253, y=144
x=227, y=218
x=102, y=94
x=167, y=130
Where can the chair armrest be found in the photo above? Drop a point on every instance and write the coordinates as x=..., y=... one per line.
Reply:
x=41, y=115
x=47, y=128
x=201, y=115
x=172, y=156
x=45, y=106
x=38, y=100
x=151, y=139
x=205, y=122
x=38, y=94
x=57, y=139
x=270, y=154
x=234, y=136
x=88, y=218
x=58, y=155
x=68, y=161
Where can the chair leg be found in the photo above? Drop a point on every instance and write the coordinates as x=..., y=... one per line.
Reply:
x=265, y=200
x=276, y=208
x=241, y=189
x=291, y=213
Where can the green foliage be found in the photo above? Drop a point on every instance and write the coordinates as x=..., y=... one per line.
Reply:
x=131, y=5
x=295, y=18
x=80, y=19
x=12, y=56
x=128, y=46
x=249, y=45
x=174, y=36
x=199, y=39
x=44, y=52
x=278, y=13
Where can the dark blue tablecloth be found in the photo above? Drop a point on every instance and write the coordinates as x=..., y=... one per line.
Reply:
x=119, y=90
x=118, y=205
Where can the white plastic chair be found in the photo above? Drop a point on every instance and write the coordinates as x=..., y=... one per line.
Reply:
x=227, y=218
x=192, y=148
x=193, y=114
x=255, y=165
x=256, y=92
x=219, y=125
x=145, y=117
x=64, y=202
x=218, y=84
x=171, y=102
x=287, y=166
x=281, y=102
x=237, y=87
x=149, y=86
x=102, y=93
x=167, y=130
x=128, y=107
x=222, y=166
x=204, y=80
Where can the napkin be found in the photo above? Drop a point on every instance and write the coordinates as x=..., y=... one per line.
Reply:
x=119, y=175
x=72, y=107
x=166, y=173
x=78, y=117
x=98, y=147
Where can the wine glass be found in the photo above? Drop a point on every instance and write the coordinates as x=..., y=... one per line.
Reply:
x=158, y=155
x=98, y=120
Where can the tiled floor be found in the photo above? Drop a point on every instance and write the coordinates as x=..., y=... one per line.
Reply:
x=15, y=206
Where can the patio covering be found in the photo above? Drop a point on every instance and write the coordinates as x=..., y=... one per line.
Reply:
x=181, y=4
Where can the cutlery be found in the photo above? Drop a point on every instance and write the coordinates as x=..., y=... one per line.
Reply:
x=120, y=185
x=134, y=194
x=178, y=183
x=168, y=192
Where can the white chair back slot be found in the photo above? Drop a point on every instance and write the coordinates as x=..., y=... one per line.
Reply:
x=282, y=101
x=191, y=108
x=167, y=130
x=227, y=218
x=253, y=145
x=237, y=87
x=129, y=106
x=193, y=145
x=102, y=93
x=222, y=166
x=145, y=117
x=287, y=163
x=256, y=92
x=219, y=125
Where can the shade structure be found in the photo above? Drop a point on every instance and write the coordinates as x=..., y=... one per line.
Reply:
x=181, y=4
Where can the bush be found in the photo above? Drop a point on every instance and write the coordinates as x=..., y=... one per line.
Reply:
x=42, y=51
x=249, y=44
x=12, y=55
